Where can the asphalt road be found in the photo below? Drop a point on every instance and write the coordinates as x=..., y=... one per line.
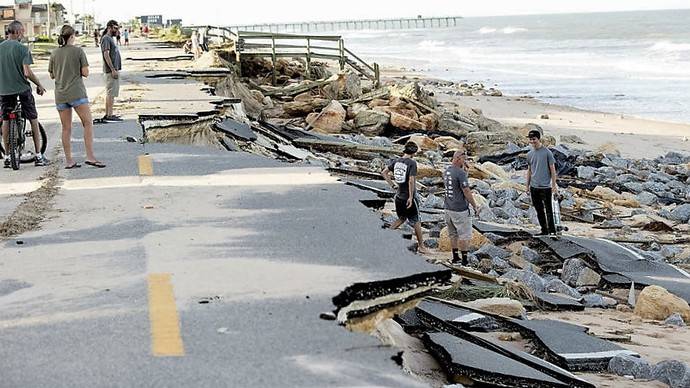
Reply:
x=212, y=272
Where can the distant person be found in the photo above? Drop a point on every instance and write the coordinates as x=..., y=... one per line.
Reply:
x=112, y=64
x=404, y=172
x=68, y=66
x=118, y=38
x=126, y=35
x=15, y=74
x=541, y=181
x=97, y=37
x=458, y=199
x=196, y=49
x=203, y=39
x=146, y=31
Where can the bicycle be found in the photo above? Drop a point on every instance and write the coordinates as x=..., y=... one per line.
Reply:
x=17, y=139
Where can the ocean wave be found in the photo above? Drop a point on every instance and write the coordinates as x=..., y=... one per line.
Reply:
x=512, y=30
x=431, y=44
x=670, y=47
x=486, y=30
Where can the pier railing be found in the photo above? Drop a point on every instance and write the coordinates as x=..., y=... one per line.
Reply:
x=328, y=47
x=360, y=24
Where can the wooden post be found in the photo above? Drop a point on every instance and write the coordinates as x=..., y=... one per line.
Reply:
x=377, y=74
x=273, y=57
x=341, y=48
x=308, y=58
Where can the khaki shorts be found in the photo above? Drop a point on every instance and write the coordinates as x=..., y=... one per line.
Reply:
x=112, y=85
x=459, y=224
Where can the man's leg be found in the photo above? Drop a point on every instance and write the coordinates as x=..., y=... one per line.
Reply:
x=548, y=207
x=7, y=104
x=6, y=137
x=538, y=203
x=420, y=238
x=36, y=131
x=397, y=223
x=453, y=236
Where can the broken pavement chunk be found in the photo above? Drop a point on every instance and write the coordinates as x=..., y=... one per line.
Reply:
x=236, y=129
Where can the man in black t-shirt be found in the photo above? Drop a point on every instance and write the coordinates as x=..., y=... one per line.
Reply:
x=402, y=172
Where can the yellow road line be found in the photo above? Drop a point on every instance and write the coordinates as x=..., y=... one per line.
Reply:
x=166, y=340
x=145, y=165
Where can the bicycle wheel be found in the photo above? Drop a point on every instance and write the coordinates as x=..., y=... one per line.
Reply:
x=44, y=138
x=15, y=150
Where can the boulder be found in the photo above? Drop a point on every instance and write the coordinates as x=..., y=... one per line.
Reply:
x=573, y=139
x=593, y=300
x=585, y=172
x=449, y=143
x=343, y=86
x=330, y=120
x=405, y=123
x=433, y=202
x=354, y=109
x=673, y=373
x=528, y=278
x=426, y=171
x=657, y=303
x=430, y=121
x=303, y=108
x=477, y=241
x=675, y=320
x=681, y=213
x=491, y=251
x=557, y=285
x=625, y=365
x=450, y=123
x=501, y=306
x=645, y=198
x=588, y=277
x=530, y=255
x=577, y=274
x=377, y=102
x=371, y=122
x=487, y=143
x=425, y=143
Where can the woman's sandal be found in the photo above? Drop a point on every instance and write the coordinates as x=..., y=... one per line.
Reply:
x=73, y=165
x=95, y=164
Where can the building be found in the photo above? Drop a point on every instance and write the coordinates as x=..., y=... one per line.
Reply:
x=21, y=11
x=173, y=22
x=39, y=14
x=151, y=20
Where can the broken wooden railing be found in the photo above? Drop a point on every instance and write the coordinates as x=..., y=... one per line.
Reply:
x=329, y=47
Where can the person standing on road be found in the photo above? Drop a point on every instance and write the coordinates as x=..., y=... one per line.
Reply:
x=126, y=35
x=96, y=37
x=68, y=66
x=15, y=74
x=404, y=175
x=457, y=203
x=118, y=37
x=541, y=181
x=112, y=64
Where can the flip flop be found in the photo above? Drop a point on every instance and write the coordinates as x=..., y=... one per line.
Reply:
x=99, y=121
x=73, y=165
x=95, y=164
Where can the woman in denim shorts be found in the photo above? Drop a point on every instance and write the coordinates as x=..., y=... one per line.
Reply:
x=68, y=66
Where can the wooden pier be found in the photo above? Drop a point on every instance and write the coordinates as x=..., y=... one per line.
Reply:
x=349, y=25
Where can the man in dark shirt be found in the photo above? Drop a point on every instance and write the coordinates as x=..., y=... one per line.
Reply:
x=457, y=206
x=541, y=181
x=402, y=172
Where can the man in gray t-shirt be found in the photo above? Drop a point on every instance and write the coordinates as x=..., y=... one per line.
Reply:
x=112, y=64
x=457, y=200
x=541, y=181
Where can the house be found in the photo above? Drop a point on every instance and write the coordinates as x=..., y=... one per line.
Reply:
x=151, y=20
x=39, y=14
x=20, y=11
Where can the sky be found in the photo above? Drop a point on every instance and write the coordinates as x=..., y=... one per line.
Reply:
x=223, y=12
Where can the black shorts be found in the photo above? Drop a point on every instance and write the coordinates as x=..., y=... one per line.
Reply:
x=410, y=215
x=9, y=103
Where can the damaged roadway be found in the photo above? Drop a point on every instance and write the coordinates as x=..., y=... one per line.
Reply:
x=254, y=261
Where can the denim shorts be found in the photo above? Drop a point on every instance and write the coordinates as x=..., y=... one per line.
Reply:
x=72, y=104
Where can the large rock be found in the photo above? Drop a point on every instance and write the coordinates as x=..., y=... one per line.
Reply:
x=501, y=306
x=430, y=121
x=354, y=109
x=303, y=108
x=426, y=171
x=491, y=251
x=530, y=255
x=330, y=120
x=656, y=303
x=448, y=143
x=588, y=277
x=557, y=285
x=425, y=143
x=673, y=373
x=405, y=123
x=577, y=274
x=625, y=365
x=486, y=143
x=681, y=213
x=477, y=241
x=343, y=86
x=526, y=277
x=371, y=122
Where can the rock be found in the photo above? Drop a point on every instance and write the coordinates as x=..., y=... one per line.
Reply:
x=330, y=120
x=572, y=268
x=425, y=143
x=588, y=277
x=486, y=266
x=500, y=265
x=656, y=303
x=431, y=243
x=491, y=251
x=634, y=187
x=624, y=308
x=625, y=365
x=478, y=240
x=557, y=285
x=546, y=117
x=681, y=213
x=673, y=373
x=528, y=278
x=426, y=171
x=612, y=224
x=354, y=109
x=342, y=86
x=585, y=172
x=448, y=143
x=495, y=239
x=501, y=306
x=573, y=139
x=405, y=123
x=430, y=121
x=646, y=198
x=371, y=122
x=486, y=143
x=593, y=300
x=675, y=320
x=303, y=108
x=433, y=202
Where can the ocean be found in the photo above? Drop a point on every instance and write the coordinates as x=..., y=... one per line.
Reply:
x=635, y=63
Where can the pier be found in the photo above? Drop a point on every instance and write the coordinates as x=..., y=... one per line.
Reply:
x=350, y=25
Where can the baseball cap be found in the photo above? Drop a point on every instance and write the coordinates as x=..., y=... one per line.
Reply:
x=534, y=133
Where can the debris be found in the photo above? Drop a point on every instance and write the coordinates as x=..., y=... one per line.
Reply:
x=330, y=120
x=675, y=320
x=502, y=306
x=656, y=303
x=675, y=374
x=627, y=365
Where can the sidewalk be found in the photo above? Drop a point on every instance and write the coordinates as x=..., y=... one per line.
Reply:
x=254, y=249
